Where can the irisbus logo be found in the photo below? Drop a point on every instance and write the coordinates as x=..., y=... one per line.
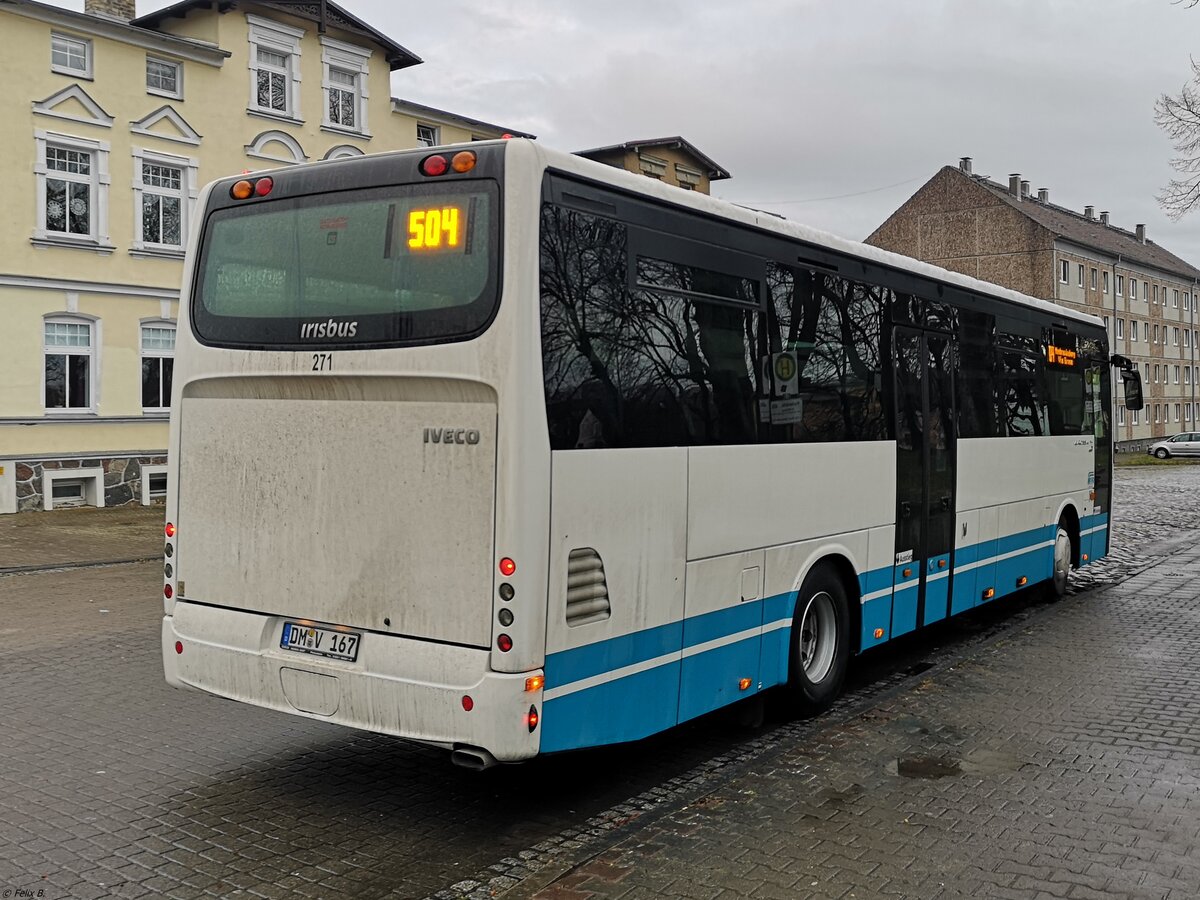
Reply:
x=330, y=329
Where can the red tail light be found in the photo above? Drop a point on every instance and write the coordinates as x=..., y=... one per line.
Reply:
x=434, y=165
x=532, y=718
x=168, y=591
x=507, y=567
x=170, y=529
x=179, y=647
x=504, y=642
x=467, y=703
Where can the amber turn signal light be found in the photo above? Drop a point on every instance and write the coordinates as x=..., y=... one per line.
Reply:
x=463, y=161
x=241, y=190
x=534, y=683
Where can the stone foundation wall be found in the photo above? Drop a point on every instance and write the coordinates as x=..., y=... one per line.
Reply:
x=122, y=478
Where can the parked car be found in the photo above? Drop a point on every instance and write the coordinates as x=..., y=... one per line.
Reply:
x=1186, y=444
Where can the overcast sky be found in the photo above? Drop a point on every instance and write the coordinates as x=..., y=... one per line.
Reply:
x=801, y=100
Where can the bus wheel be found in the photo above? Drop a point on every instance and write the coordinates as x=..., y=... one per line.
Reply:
x=1062, y=563
x=820, y=647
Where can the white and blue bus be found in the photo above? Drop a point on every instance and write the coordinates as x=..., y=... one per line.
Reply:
x=505, y=451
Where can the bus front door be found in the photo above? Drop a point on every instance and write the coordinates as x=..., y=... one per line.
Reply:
x=925, y=456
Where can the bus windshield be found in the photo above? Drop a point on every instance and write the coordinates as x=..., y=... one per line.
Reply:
x=391, y=265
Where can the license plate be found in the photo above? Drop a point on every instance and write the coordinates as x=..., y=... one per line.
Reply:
x=320, y=641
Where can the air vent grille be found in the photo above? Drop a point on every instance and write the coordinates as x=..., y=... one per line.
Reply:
x=587, y=590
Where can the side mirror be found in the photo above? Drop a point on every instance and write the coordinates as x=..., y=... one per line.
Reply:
x=1133, y=389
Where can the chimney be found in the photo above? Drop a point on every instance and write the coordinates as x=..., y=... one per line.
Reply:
x=1141, y=234
x=1089, y=212
x=1104, y=217
x=1043, y=195
x=123, y=10
x=964, y=164
x=1014, y=184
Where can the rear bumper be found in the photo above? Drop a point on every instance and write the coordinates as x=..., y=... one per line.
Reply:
x=399, y=686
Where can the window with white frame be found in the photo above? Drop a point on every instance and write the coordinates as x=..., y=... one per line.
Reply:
x=1157, y=413
x=1187, y=302
x=1093, y=279
x=70, y=55
x=1175, y=336
x=164, y=78
x=1176, y=374
x=1155, y=294
x=1133, y=329
x=1187, y=412
x=69, y=370
x=1156, y=374
x=1146, y=377
x=1187, y=374
x=1065, y=274
x=1175, y=298
x=274, y=67
x=1187, y=338
x=1155, y=341
x=427, y=135
x=1120, y=414
x=73, y=180
x=163, y=189
x=1134, y=417
x=1176, y=412
x=1106, y=323
x=345, y=73
x=1081, y=274
x=158, y=352
x=1120, y=328
x=1145, y=288
x=1120, y=285
x=1132, y=288
x=1106, y=282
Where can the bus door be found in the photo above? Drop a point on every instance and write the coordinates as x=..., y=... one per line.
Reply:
x=925, y=457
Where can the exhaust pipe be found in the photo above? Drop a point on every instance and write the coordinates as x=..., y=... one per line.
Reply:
x=475, y=758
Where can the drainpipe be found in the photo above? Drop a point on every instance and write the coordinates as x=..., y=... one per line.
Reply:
x=1112, y=413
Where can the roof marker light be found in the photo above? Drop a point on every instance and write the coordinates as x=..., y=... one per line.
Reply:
x=463, y=161
x=434, y=165
x=241, y=190
x=263, y=186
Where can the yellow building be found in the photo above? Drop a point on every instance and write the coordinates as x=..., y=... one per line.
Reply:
x=112, y=124
x=669, y=159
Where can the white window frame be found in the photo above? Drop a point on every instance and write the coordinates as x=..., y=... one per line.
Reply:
x=177, y=94
x=1133, y=329
x=285, y=40
x=1120, y=414
x=1065, y=275
x=434, y=133
x=1134, y=417
x=1093, y=279
x=1175, y=372
x=1176, y=412
x=1132, y=288
x=189, y=167
x=1120, y=285
x=154, y=353
x=1105, y=280
x=1120, y=328
x=92, y=352
x=1175, y=336
x=148, y=496
x=1081, y=274
x=340, y=56
x=1175, y=298
x=99, y=179
x=88, y=56
x=1187, y=374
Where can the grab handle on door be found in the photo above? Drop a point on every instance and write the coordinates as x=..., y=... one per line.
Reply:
x=905, y=509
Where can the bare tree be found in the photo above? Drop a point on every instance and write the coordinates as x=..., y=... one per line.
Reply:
x=1179, y=116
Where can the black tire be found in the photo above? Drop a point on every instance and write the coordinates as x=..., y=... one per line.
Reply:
x=1056, y=587
x=1162, y=453
x=822, y=597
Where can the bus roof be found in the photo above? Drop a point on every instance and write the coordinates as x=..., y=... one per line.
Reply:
x=567, y=162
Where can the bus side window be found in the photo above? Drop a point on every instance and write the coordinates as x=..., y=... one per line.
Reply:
x=833, y=325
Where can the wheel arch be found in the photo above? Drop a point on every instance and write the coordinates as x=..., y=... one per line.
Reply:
x=1068, y=517
x=840, y=560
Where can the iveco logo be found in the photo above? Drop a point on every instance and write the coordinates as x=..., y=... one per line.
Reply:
x=330, y=329
x=451, y=436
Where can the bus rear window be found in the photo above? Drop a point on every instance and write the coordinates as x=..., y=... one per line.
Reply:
x=393, y=265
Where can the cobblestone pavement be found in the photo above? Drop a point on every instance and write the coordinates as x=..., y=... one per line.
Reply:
x=80, y=536
x=1065, y=740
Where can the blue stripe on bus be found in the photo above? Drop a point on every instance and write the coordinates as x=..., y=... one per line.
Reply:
x=572, y=665
x=708, y=680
